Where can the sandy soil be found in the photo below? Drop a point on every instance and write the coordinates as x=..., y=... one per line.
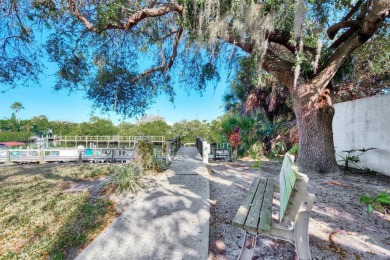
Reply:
x=339, y=228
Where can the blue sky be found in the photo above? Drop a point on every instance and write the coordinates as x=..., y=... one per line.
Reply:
x=73, y=107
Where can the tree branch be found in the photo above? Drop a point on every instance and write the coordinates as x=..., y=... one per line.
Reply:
x=164, y=68
x=353, y=10
x=133, y=20
x=152, y=12
x=174, y=51
x=76, y=12
x=345, y=36
x=276, y=36
x=281, y=69
x=370, y=25
x=334, y=29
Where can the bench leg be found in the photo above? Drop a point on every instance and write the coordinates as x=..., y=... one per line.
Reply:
x=301, y=235
x=248, y=247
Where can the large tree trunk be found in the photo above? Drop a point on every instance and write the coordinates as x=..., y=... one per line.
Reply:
x=314, y=114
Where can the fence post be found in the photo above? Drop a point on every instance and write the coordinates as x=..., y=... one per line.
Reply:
x=205, y=152
x=42, y=157
x=7, y=156
x=168, y=152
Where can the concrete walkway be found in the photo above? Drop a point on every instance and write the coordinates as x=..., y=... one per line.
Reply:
x=168, y=221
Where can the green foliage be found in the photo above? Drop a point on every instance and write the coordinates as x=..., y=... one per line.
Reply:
x=15, y=136
x=256, y=150
x=251, y=91
x=253, y=129
x=277, y=152
x=145, y=154
x=106, y=61
x=127, y=178
x=380, y=202
x=17, y=106
x=256, y=165
x=39, y=125
x=149, y=125
x=156, y=128
x=351, y=158
x=145, y=158
x=294, y=150
x=96, y=126
x=188, y=130
x=248, y=130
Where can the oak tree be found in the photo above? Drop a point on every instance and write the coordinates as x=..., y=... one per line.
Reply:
x=124, y=53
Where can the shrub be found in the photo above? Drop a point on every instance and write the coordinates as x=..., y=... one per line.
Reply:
x=256, y=164
x=256, y=150
x=158, y=165
x=145, y=155
x=127, y=177
x=277, y=151
x=15, y=136
x=294, y=150
x=146, y=159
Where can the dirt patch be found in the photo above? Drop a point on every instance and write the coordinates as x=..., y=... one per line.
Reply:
x=340, y=227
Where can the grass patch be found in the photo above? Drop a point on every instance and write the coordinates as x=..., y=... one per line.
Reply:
x=39, y=220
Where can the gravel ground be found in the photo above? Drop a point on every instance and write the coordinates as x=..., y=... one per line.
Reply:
x=339, y=227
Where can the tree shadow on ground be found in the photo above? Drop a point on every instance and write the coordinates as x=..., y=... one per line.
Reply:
x=340, y=227
x=168, y=221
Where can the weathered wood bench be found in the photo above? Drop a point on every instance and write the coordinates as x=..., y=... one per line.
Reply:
x=255, y=212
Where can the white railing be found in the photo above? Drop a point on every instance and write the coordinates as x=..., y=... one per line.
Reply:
x=109, y=138
x=65, y=155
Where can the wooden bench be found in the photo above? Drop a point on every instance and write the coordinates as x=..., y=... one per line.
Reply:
x=255, y=213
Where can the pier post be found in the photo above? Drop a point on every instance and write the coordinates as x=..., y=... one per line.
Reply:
x=205, y=152
x=42, y=157
x=168, y=149
x=7, y=156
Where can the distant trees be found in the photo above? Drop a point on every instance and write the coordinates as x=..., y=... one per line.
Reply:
x=149, y=125
x=96, y=126
x=188, y=130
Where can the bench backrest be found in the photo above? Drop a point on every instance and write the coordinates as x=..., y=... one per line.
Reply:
x=224, y=146
x=294, y=197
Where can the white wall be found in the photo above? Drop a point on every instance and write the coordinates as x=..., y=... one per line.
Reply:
x=364, y=123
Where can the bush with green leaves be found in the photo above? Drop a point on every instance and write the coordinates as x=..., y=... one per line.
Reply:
x=256, y=150
x=256, y=165
x=145, y=158
x=127, y=178
x=380, y=202
x=294, y=150
x=145, y=154
x=15, y=136
x=277, y=152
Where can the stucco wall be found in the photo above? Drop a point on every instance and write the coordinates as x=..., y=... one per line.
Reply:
x=364, y=123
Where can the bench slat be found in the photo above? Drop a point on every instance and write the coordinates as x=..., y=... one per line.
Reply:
x=266, y=209
x=254, y=213
x=242, y=212
x=287, y=182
